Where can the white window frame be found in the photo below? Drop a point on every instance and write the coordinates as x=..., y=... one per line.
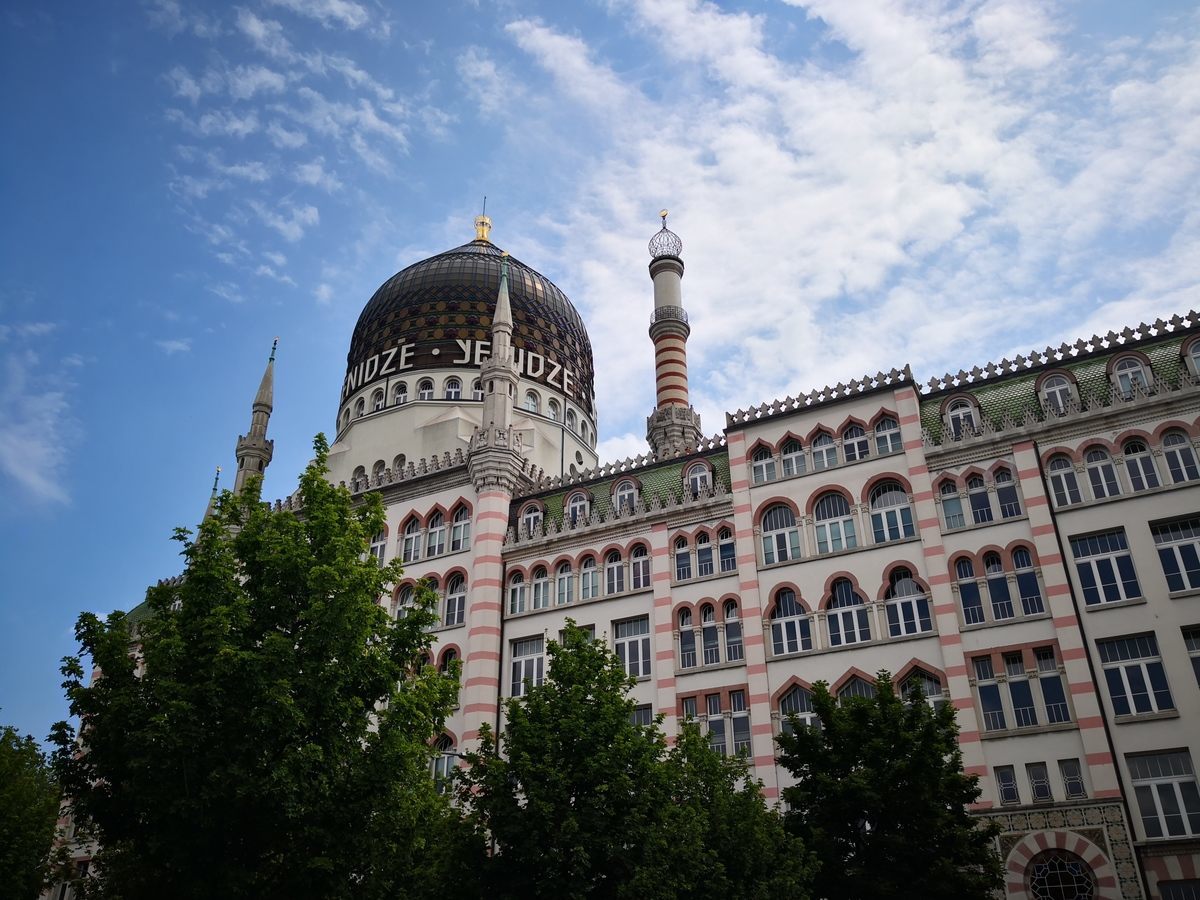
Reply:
x=824, y=452
x=1057, y=394
x=460, y=530
x=1064, y=481
x=639, y=568
x=762, y=466
x=835, y=530
x=1098, y=556
x=410, y=541
x=780, y=540
x=564, y=584
x=456, y=601
x=531, y=520
x=614, y=573
x=528, y=664
x=1163, y=782
x=539, y=583
x=888, y=438
x=1139, y=465
x=792, y=457
x=516, y=594
x=425, y=389
x=891, y=513
x=631, y=641
x=1131, y=665
x=1180, y=455
x=435, y=535
x=452, y=389
x=791, y=626
x=589, y=579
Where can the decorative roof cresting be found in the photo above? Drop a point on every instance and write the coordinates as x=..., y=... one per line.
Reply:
x=665, y=242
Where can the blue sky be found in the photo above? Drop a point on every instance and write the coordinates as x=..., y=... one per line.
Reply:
x=858, y=184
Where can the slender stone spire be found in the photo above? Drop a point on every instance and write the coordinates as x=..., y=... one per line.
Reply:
x=212, y=498
x=254, y=449
x=499, y=372
x=674, y=424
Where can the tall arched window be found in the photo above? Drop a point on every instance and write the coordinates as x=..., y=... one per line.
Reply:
x=683, y=559
x=625, y=497
x=923, y=684
x=589, y=579
x=377, y=471
x=733, y=631
x=1140, y=465
x=614, y=573
x=687, y=640
x=856, y=687
x=453, y=389
x=377, y=401
x=425, y=389
x=704, y=555
x=379, y=546
x=358, y=479
x=855, y=444
x=565, y=583
x=444, y=762
x=698, y=479
x=360, y=408
x=404, y=601
x=541, y=588
x=531, y=519
x=1056, y=393
x=796, y=710
x=1006, y=494
x=891, y=515
x=887, y=436
x=533, y=403
x=780, y=536
x=400, y=393
x=1181, y=458
x=639, y=568
x=791, y=626
x=1130, y=377
x=345, y=418
x=398, y=464
x=477, y=390
x=847, y=616
x=577, y=508
x=824, y=452
x=961, y=417
x=460, y=531
x=762, y=466
x=583, y=431
x=456, y=600
x=997, y=582
x=1028, y=587
x=553, y=410
x=835, y=524
x=1063, y=481
x=1101, y=474
x=952, y=509
x=981, y=503
x=792, y=454
x=435, y=540
x=726, y=550
x=516, y=594
x=968, y=592
x=708, y=635
x=572, y=422
x=907, y=605
x=412, y=541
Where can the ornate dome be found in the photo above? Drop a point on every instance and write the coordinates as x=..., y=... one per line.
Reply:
x=435, y=313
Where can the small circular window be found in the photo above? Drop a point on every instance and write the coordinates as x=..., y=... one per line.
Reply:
x=1059, y=875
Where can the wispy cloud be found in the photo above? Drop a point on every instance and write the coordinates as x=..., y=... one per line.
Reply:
x=227, y=291
x=170, y=16
x=292, y=223
x=216, y=123
x=174, y=345
x=344, y=13
x=313, y=173
x=37, y=427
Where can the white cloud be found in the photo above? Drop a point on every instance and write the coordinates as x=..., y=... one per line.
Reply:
x=345, y=13
x=216, y=123
x=285, y=139
x=292, y=223
x=227, y=291
x=253, y=170
x=276, y=259
x=25, y=330
x=265, y=34
x=37, y=427
x=170, y=16
x=323, y=293
x=246, y=81
x=489, y=87
x=269, y=272
x=313, y=173
x=174, y=345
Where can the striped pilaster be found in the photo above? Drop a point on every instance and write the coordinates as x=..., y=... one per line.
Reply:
x=664, y=631
x=482, y=686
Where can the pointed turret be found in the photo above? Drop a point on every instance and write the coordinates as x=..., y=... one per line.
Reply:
x=254, y=449
x=499, y=372
x=212, y=498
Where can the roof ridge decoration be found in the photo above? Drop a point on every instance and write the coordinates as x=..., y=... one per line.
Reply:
x=1050, y=356
x=821, y=396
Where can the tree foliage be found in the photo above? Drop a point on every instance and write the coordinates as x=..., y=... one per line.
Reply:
x=29, y=801
x=881, y=799
x=270, y=737
x=579, y=801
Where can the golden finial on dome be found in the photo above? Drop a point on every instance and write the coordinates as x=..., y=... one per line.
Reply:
x=483, y=225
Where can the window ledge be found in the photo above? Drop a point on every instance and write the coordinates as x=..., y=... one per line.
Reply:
x=1020, y=732
x=1181, y=595
x=1131, y=495
x=861, y=548
x=700, y=579
x=1133, y=718
x=1114, y=604
x=462, y=624
x=713, y=667
x=874, y=642
x=996, y=623
x=842, y=464
x=973, y=526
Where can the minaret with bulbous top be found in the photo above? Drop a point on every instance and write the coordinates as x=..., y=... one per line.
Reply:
x=254, y=449
x=674, y=424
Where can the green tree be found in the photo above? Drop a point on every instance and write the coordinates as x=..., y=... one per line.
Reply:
x=881, y=799
x=271, y=736
x=578, y=801
x=29, y=801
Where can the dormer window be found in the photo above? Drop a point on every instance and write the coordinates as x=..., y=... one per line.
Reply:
x=961, y=418
x=577, y=508
x=1056, y=393
x=1129, y=376
x=531, y=520
x=625, y=497
x=698, y=479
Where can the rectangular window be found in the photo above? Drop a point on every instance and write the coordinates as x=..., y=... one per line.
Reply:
x=1039, y=782
x=528, y=664
x=1020, y=691
x=1166, y=791
x=640, y=570
x=981, y=506
x=642, y=715
x=1002, y=605
x=1191, y=639
x=1134, y=672
x=836, y=534
x=791, y=635
x=741, y=722
x=1050, y=681
x=589, y=581
x=952, y=511
x=687, y=648
x=1030, y=592
x=1006, y=786
x=1105, y=567
x=972, y=603
x=728, y=554
x=633, y=645
x=1189, y=889
x=460, y=534
x=989, y=695
x=688, y=705
x=1010, y=503
x=1179, y=552
x=683, y=563
x=1072, y=779
x=614, y=576
x=704, y=559
x=716, y=723
x=712, y=647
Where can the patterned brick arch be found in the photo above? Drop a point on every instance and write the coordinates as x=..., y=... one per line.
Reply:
x=1107, y=887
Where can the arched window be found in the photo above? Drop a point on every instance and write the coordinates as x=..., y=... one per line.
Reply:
x=733, y=631
x=1102, y=474
x=1139, y=465
x=835, y=524
x=565, y=584
x=1057, y=874
x=683, y=559
x=687, y=640
x=398, y=464
x=961, y=416
x=583, y=431
x=452, y=389
x=625, y=497
x=425, y=389
x=1181, y=458
x=578, y=508
x=377, y=471
x=614, y=573
x=377, y=401
x=1006, y=494
x=571, y=420
x=726, y=550
x=589, y=579
x=704, y=555
x=824, y=452
x=698, y=479
x=379, y=546
x=708, y=634
x=477, y=390
x=400, y=393
x=796, y=710
x=791, y=626
x=780, y=536
x=952, y=510
x=856, y=687
x=460, y=531
x=1028, y=588
x=847, y=616
x=448, y=660
x=553, y=410
x=516, y=594
x=533, y=403
x=345, y=418
x=855, y=444
x=531, y=520
x=1063, y=481
x=907, y=605
x=541, y=588
x=922, y=683
x=997, y=582
x=981, y=503
x=456, y=600
x=445, y=760
x=891, y=516
x=1130, y=377
x=792, y=453
x=435, y=539
x=404, y=601
x=887, y=436
x=360, y=408
x=762, y=466
x=1193, y=357
x=639, y=566
x=411, y=550
x=968, y=592
x=359, y=478
x=1056, y=394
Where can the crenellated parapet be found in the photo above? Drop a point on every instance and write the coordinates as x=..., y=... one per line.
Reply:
x=828, y=394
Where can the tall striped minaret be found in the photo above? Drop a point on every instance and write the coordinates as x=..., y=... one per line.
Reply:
x=674, y=424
